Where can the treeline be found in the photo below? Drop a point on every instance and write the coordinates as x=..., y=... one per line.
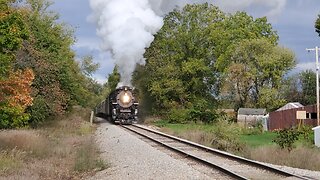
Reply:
x=204, y=59
x=39, y=77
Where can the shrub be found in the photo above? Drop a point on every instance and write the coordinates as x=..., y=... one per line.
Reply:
x=178, y=115
x=256, y=128
x=306, y=136
x=39, y=111
x=226, y=137
x=286, y=138
x=13, y=117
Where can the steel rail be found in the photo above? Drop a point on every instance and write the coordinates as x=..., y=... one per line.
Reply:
x=221, y=153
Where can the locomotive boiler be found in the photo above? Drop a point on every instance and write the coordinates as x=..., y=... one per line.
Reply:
x=120, y=106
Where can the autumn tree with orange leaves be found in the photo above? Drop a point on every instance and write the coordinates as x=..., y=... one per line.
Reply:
x=15, y=85
x=39, y=76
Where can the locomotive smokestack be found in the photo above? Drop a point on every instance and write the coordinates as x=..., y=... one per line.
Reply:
x=126, y=28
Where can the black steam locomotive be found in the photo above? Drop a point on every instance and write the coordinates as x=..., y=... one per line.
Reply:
x=120, y=107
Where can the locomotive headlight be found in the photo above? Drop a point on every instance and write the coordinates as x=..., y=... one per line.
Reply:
x=125, y=99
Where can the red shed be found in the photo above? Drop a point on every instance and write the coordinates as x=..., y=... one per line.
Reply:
x=287, y=118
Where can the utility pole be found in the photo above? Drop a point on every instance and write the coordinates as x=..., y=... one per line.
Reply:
x=317, y=79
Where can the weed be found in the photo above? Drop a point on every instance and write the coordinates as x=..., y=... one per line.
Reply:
x=10, y=161
x=300, y=157
x=25, y=140
x=85, y=129
x=86, y=158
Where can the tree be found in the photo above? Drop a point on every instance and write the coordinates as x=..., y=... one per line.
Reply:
x=180, y=59
x=317, y=25
x=257, y=65
x=291, y=89
x=113, y=79
x=88, y=67
x=228, y=33
x=59, y=83
x=202, y=55
x=15, y=85
x=307, y=82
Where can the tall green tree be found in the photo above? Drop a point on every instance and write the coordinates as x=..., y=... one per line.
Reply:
x=291, y=88
x=228, y=33
x=256, y=72
x=308, y=89
x=317, y=25
x=201, y=52
x=59, y=80
x=113, y=79
x=180, y=59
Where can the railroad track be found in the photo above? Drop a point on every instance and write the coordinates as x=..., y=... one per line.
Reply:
x=229, y=164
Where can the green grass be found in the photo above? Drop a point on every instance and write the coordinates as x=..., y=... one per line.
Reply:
x=251, y=137
x=258, y=139
x=252, y=140
x=178, y=128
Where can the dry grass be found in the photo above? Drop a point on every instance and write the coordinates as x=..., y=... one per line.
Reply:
x=300, y=157
x=86, y=158
x=10, y=161
x=61, y=149
x=29, y=141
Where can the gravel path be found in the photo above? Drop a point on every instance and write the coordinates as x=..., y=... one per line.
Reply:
x=132, y=158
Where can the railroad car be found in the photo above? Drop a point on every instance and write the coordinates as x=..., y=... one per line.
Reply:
x=120, y=106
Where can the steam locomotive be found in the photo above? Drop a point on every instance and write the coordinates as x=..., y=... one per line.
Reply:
x=120, y=107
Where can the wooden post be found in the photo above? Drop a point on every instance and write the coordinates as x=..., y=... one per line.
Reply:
x=91, y=117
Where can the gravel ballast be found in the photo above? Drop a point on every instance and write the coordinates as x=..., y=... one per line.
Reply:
x=131, y=158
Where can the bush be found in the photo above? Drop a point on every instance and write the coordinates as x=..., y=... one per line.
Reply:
x=178, y=115
x=182, y=115
x=39, y=111
x=286, y=138
x=257, y=128
x=306, y=133
x=13, y=117
x=226, y=137
x=205, y=116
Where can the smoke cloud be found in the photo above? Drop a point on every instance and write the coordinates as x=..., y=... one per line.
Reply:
x=126, y=27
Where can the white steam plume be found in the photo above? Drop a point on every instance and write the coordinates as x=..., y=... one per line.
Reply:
x=126, y=28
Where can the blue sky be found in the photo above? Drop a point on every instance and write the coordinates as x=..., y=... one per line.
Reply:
x=293, y=20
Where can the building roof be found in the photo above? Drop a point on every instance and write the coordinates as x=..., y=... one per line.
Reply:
x=291, y=105
x=251, y=111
